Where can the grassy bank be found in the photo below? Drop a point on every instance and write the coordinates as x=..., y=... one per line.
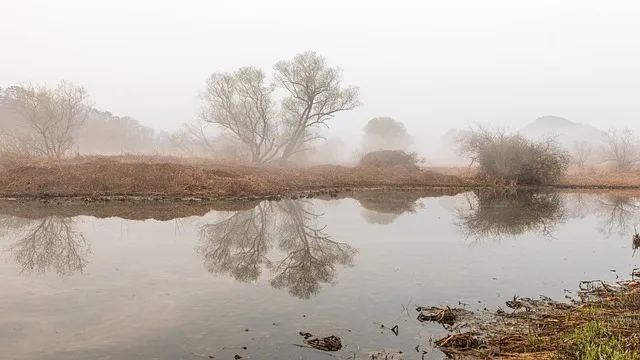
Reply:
x=95, y=177
x=603, y=324
x=130, y=176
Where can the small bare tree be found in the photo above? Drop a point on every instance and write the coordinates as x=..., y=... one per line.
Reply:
x=581, y=152
x=48, y=118
x=621, y=148
x=315, y=95
x=240, y=102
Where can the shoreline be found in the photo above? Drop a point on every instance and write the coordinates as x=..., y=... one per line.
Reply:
x=131, y=179
x=602, y=323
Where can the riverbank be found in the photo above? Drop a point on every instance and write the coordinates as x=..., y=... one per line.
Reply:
x=95, y=177
x=603, y=323
x=166, y=178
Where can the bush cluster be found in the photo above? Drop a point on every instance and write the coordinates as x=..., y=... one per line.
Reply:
x=513, y=158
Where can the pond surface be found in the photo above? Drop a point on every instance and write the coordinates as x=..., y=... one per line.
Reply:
x=83, y=287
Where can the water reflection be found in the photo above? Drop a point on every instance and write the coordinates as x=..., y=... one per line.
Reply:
x=617, y=214
x=385, y=207
x=286, y=241
x=245, y=243
x=492, y=215
x=50, y=243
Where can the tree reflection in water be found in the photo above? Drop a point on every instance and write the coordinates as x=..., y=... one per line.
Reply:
x=50, y=243
x=617, y=213
x=493, y=215
x=240, y=246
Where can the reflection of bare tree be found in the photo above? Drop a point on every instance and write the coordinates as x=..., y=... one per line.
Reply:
x=618, y=214
x=578, y=205
x=494, y=215
x=50, y=243
x=311, y=254
x=240, y=244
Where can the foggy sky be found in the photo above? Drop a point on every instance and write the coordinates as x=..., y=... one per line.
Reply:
x=433, y=65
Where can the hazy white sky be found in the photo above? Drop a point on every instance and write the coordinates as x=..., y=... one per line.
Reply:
x=431, y=64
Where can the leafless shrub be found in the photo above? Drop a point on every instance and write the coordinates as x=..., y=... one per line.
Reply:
x=513, y=158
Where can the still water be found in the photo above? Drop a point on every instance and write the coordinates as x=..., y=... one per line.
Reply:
x=247, y=282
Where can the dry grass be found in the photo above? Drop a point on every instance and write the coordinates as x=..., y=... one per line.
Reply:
x=164, y=176
x=591, y=176
x=606, y=180
x=604, y=325
x=130, y=175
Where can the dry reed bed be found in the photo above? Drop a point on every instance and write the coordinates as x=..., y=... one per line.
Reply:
x=113, y=176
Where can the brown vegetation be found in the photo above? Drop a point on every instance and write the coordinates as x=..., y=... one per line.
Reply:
x=628, y=180
x=602, y=324
x=120, y=176
x=591, y=177
x=171, y=177
x=512, y=158
x=390, y=159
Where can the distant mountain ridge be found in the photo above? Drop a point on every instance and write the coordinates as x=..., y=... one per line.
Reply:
x=568, y=132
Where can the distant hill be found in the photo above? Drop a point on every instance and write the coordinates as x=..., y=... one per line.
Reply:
x=568, y=132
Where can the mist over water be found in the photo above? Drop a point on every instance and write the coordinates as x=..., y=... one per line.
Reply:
x=115, y=288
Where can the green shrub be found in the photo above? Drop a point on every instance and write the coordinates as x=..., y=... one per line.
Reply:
x=506, y=158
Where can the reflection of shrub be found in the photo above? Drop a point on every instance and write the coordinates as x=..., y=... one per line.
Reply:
x=390, y=158
x=494, y=215
x=385, y=207
x=506, y=158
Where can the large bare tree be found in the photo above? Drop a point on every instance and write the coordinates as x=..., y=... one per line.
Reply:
x=242, y=104
x=49, y=117
x=621, y=148
x=315, y=95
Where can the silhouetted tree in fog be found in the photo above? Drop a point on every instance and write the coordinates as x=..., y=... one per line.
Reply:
x=621, y=148
x=242, y=103
x=48, y=118
x=385, y=133
x=315, y=95
x=581, y=152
